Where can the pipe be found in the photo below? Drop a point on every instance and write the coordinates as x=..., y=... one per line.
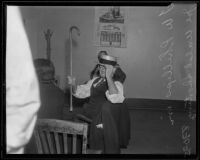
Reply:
x=70, y=37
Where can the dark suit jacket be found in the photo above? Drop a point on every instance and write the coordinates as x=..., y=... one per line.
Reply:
x=52, y=103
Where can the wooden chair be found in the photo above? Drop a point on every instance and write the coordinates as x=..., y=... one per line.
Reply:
x=52, y=136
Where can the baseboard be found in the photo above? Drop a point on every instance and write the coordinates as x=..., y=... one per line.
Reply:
x=159, y=104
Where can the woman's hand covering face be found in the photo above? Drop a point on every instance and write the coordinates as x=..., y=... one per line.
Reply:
x=110, y=70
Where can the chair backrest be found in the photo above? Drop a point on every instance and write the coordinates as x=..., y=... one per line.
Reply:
x=52, y=136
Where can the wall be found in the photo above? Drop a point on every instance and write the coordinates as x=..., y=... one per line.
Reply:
x=30, y=19
x=140, y=60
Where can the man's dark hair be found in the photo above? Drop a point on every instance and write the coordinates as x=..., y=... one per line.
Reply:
x=45, y=69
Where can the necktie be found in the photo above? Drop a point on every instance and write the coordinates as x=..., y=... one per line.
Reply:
x=101, y=80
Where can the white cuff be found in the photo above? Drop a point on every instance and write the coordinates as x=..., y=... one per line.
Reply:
x=116, y=98
x=83, y=91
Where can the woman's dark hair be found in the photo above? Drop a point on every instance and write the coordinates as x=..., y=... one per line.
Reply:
x=95, y=71
x=45, y=69
x=119, y=75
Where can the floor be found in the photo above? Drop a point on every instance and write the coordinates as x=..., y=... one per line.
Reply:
x=152, y=132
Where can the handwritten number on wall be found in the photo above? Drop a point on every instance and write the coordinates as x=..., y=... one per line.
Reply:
x=186, y=139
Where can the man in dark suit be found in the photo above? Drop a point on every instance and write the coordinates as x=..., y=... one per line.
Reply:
x=52, y=97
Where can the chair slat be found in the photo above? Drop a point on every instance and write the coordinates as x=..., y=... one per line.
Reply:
x=44, y=142
x=84, y=145
x=38, y=142
x=74, y=144
x=65, y=143
x=57, y=142
x=49, y=142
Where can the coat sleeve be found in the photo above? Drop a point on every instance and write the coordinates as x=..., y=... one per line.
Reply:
x=83, y=91
x=119, y=97
x=22, y=91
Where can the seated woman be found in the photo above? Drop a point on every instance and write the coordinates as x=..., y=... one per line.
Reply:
x=103, y=91
x=119, y=110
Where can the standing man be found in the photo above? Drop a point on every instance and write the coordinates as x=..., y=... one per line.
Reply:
x=22, y=91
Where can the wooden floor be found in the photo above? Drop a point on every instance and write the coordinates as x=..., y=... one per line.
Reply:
x=153, y=133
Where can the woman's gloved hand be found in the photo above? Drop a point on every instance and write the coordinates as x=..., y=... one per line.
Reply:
x=110, y=70
x=71, y=80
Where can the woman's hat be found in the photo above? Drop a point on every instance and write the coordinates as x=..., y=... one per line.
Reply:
x=106, y=59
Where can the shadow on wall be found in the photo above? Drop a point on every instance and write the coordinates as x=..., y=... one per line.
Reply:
x=26, y=13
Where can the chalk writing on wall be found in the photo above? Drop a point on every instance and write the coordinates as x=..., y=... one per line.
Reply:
x=167, y=55
x=166, y=10
x=190, y=13
x=186, y=139
x=188, y=80
x=168, y=23
x=170, y=114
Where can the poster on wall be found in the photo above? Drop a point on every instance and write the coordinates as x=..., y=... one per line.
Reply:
x=110, y=27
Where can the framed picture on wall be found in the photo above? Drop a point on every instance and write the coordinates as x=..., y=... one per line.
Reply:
x=110, y=27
